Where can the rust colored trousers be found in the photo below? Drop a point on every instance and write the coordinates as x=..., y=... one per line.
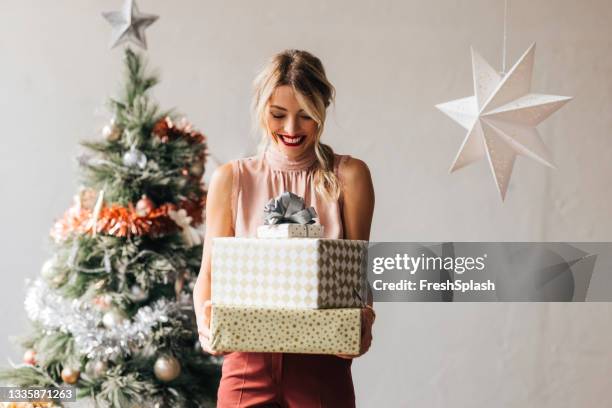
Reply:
x=285, y=380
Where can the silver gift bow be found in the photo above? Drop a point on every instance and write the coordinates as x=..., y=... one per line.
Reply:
x=288, y=208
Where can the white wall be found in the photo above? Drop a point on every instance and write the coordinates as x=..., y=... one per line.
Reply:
x=391, y=61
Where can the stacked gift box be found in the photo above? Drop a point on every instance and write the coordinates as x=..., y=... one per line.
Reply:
x=289, y=290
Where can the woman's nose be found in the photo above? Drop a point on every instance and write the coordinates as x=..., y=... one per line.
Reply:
x=291, y=126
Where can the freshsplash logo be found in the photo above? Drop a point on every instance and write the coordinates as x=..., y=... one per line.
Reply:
x=412, y=265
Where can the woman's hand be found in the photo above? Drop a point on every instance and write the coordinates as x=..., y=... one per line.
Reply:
x=204, y=330
x=367, y=320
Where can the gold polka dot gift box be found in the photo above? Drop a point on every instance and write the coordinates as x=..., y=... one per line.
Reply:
x=289, y=273
x=325, y=331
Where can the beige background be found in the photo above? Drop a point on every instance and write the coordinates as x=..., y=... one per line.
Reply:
x=391, y=61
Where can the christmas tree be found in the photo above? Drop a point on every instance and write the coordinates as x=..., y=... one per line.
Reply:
x=112, y=312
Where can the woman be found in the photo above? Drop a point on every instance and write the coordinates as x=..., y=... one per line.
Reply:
x=291, y=97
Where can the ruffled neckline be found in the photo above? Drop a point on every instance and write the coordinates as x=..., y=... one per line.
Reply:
x=279, y=161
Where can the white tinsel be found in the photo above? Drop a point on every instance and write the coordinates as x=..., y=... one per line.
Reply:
x=82, y=321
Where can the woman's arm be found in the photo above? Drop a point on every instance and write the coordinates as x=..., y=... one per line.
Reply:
x=358, y=199
x=218, y=224
x=357, y=212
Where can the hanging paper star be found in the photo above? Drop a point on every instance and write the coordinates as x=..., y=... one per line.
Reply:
x=129, y=24
x=501, y=118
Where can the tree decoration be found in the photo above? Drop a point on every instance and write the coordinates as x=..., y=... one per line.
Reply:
x=113, y=318
x=122, y=221
x=70, y=375
x=129, y=24
x=111, y=132
x=144, y=206
x=501, y=118
x=137, y=294
x=167, y=368
x=96, y=368
x=135, y=158
x=29, y=357
x=86, y=198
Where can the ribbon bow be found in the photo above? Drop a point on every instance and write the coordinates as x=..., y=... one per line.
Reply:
x=288, y=208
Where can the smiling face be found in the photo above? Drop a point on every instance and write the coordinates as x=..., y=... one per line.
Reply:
x=292, y=129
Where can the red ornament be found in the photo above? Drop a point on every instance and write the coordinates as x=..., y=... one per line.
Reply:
x=29, y=357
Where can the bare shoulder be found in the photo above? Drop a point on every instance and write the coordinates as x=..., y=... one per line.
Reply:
x=222, y=177
x=221, y=182
x=354, y=170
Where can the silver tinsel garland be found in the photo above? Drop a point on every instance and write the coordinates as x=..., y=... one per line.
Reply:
x=82, y=320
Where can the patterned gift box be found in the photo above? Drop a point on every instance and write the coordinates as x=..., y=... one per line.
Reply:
x=328, y=331
x=289, y=273
x=288, y=230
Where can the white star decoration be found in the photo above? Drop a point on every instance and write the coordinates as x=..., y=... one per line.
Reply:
x=501, y=118
x=129, y=24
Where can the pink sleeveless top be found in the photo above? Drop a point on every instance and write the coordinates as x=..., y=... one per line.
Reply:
x=258, y=179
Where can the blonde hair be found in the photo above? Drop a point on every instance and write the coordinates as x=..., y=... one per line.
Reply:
x=305, y=74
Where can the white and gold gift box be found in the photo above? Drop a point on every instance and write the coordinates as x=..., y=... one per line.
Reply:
x=289, y=273
x=327, y=331
x=290, y=231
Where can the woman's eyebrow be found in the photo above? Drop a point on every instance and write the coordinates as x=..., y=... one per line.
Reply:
x=281, y=108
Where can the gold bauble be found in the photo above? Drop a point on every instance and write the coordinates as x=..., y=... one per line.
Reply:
x=111, y=132
x=167, y=368
x=70, y=375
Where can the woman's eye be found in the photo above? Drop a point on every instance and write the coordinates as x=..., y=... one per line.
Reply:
x=306, y=117
x=278, y=116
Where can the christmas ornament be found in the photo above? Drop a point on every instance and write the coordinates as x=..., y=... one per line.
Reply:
x=96, y=368
x=81, y=319
x=70, y=375
x=87, y=198
x=124, y=222
x=129, y=24
x=58, y=280
x=48, y=269
x=166, y=130
x=111, y=132
x=197, y=169
x=29, y=357
x=113, y=318
x=134, y=158
x=137, y=294
x=501, y=118
x=167, y=368
x=144, y=206
x=191, y=236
